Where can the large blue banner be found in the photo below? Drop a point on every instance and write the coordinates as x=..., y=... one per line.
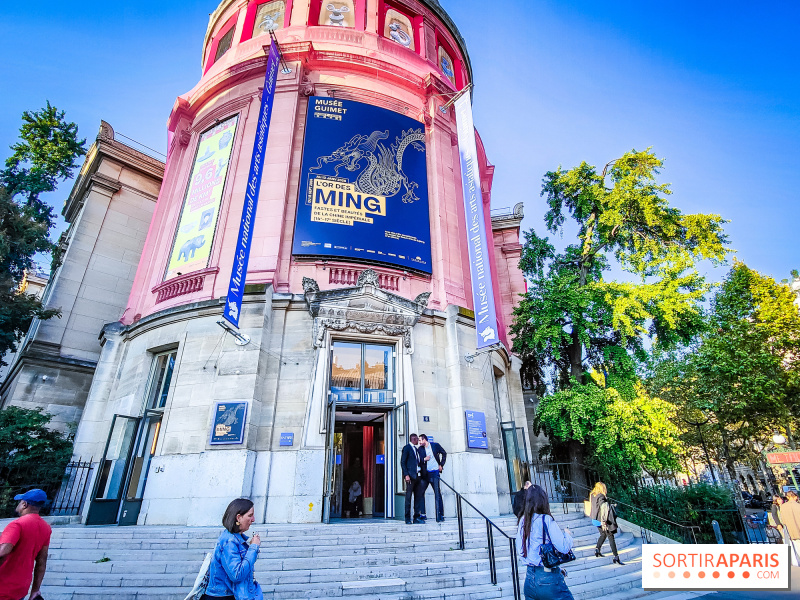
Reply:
x=363, y=186
x=480, y=254
x=244, y=241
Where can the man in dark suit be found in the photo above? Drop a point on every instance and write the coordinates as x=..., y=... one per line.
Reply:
x=410, y=466
x=432, y=458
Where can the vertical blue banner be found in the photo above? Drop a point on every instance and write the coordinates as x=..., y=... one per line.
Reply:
x=480, y=254
x=476, y=429
x=245, y=239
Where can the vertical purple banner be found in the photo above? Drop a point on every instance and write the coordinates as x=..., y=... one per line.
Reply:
x=480, y=254
x=245, y=239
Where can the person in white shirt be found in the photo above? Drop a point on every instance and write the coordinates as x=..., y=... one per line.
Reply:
x=541, y=583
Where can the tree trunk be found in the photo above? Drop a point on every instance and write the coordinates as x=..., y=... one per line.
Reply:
x=577, y=475
x=726, y=449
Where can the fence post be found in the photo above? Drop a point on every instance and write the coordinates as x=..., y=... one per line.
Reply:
x=460, y=516
x=717, y=532
x=492, y=565
x=514, y=568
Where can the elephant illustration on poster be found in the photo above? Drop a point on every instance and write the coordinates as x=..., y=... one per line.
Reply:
x=188, y=249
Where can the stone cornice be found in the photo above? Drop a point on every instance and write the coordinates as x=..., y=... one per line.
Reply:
x=509, y=220
x=106, y=147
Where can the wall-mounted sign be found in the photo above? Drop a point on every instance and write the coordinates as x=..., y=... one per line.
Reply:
x=363, y=186
x=380, y=459
x=287, y=439
x=228, y=424
x=480, y=253
x=476, y=429
x=244, y=240
x=426, y=419
x=197, y=224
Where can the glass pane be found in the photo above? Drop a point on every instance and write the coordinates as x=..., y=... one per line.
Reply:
x=159, y=384
x=224, y=44
x=398, y=28
x=339, y=14
x=170, y=366
x=378, y=374
x=269, y=17
x=446, y=65
x=346, y=372
x=141, y=460
x=113, y=468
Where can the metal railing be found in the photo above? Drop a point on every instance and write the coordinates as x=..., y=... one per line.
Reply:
x=490, y=525
x=65, y=494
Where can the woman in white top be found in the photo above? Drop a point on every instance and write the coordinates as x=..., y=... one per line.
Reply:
x=541, y=583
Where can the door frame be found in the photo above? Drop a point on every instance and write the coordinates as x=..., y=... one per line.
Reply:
x=101, y=509
x=134, y=505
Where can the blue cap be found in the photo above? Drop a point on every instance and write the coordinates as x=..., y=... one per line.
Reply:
x=35, y=496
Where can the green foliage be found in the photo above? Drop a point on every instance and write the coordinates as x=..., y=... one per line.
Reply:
x=45, y=154
x=740, y=379
x=31, y=454
x=694, y=505
x=624, y=429
x=572, y=321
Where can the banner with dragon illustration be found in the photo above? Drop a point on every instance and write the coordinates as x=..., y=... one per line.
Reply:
x=363, y=186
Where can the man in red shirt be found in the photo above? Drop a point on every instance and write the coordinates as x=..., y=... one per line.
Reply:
x=23, y=549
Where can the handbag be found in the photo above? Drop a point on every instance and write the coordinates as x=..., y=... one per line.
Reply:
x=551, y=557
x=201, y=582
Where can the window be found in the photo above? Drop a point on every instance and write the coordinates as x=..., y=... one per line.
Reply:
x=447, y=66
x=225, y=43
x=270, y=16
x=338, y=13
x=362, y=373
x=160, y=379
x=398, y=28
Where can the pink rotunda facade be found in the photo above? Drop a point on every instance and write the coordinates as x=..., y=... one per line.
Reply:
x=354, y=338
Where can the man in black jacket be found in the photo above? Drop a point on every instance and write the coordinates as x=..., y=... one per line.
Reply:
x=411, y=474
x=432, y=458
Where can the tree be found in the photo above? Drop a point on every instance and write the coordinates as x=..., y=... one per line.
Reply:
x=743, y=370
x=570, y=317
x=45, y=154
x=31, y=454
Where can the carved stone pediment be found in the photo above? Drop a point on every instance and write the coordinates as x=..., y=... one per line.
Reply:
x=364, y=308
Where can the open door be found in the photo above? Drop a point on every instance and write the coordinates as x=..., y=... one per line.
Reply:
x=330, y=460
x=112, y=471
x=140, y=465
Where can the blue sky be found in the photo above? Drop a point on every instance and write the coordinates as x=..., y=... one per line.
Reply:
x=714, y=88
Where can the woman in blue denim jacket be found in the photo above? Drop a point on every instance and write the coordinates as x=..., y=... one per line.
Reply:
x=231, y=574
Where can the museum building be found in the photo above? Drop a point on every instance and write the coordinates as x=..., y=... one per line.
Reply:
x=357, y=324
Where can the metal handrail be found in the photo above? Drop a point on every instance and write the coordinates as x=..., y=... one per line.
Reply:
x=512, y=541
x=690, y=528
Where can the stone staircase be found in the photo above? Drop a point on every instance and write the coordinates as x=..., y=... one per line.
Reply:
x=356, y=560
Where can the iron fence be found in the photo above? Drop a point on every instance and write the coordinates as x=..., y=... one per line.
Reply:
x=65, y=494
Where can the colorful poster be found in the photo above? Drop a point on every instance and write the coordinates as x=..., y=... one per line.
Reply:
x=480, y=253
x=363, y=186
x=200, y=213
x=228, y=424
x=244, y=240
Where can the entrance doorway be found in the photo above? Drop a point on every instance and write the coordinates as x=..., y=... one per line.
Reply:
x=359, y=476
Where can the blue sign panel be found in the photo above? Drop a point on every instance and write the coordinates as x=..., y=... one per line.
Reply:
x=380, y=459
x=363, y=186
x=228, y=425
x=245, y=239
x=287, y=439
x=476, y=429
x=480, y=253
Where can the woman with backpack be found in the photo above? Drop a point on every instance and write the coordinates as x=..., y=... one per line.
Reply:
x=604, y=517
x=231, y=572
x=536, y=528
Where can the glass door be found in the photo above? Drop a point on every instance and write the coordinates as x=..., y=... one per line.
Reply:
x=107, y=494
x=329, y=495
x=516, y=457
x=140, y=465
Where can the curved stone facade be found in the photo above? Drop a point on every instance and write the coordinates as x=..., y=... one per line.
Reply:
x=166, y=366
